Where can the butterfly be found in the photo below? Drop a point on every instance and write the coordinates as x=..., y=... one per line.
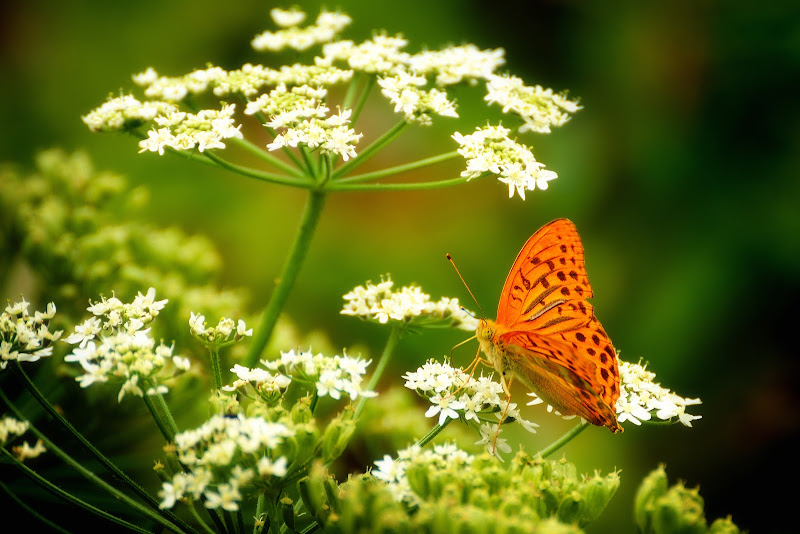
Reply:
x=546, y=334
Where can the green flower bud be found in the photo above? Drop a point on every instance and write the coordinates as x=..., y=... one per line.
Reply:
x=301, y=411
x=680, y=510
x=312, y=492
x=597, y=491
x=723, y=526
x=287, y=510
x=336, y=437
x=553, y=526
x=653, y=487
x=419, y=480
x=569, y=509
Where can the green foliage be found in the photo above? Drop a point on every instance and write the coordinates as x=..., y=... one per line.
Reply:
x=75, y=228
x=676, y=509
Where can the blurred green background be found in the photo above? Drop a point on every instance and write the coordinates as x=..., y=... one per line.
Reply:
x=681, y=173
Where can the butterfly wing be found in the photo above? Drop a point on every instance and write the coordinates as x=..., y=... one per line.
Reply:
x=546, y=324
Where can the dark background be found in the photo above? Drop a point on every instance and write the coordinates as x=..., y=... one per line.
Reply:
x=681, y=173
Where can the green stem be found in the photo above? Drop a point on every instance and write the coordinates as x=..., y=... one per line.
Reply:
x=158, y=418
x=414, y=186
x=351, y=91
x=215, y=366
x=266, y=156
x=274, y=514
x=167, y=414
x=365, y=154
x=563, y=440
x=259, y=512
x=309, y=165
x=104, y=461
x=199, y=519
x=432, y=433
x=363, y=99
x=388, y=349
x=91, y=477
x=55, y=490
x=399, y=169
x=256, y=174
x=302, y=242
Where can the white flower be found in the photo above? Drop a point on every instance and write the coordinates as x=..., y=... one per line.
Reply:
x=124, y=111
x=326, y=27
x=185, y=131
x=494, y=444
x=266, y=467
x=331, y=376
x=444, y=406
x=25, y=337
x=457, y=63
x=25, y=451
x=382, y=54
x=287, y=17
x=540, y=108
x=641, y=398
x=404, y=91
x=490, y=150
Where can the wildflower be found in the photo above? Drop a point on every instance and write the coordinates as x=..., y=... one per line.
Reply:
x=125, y=111
x=25, y=337
x=185, y=131
x=325, y=28
x=115, y=346
x=380, y=55
x=330, y=376
x=222, y=457
x=444, y=406
x=494, y=445
x=226, y=332
x=25, y=451
x=405, y=92
x=457, y=63
x=641, y=398
x=379, y=302
x=490, y=149
x=540, y=108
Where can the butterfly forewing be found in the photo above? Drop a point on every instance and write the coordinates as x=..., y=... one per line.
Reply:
x=547, y=287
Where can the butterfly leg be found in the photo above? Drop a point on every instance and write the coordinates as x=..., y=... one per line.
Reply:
x=507, y=388
x=471, y=368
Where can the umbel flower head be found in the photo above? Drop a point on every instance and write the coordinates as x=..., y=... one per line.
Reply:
x=25, y=337
x=224, y=456
x=11, y=428
x=114, y=345
x=408, y=305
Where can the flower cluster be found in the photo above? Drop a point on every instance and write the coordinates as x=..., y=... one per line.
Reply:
x=540, y=108
x=10, y=428
x=267, y=385
x=331, y=376
x=405, y=92
x=326, y=27
x=185, y=131
x=224, y=455
x=379, y=302
x=454, y=394
x=393, y=471
x=115, y=345
x=455, y=64
x=490, y=149
x=125, y=111
x=641, y=398
x=380, y=55
x=227, y=331
x=25, y=337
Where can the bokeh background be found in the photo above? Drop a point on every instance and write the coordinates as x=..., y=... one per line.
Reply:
x=681, y=173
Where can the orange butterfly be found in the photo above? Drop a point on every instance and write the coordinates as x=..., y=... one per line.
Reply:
x=546, y=334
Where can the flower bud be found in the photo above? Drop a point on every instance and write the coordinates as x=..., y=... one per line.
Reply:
x=679, y=510
x=723, y=526
x=336, y=437
x=597, y=491
x=569, y=509
x=653, y=487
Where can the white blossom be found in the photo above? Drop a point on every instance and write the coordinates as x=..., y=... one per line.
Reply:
x=185, y=131
x=540, y=108
x=642, y=399
x=25, y=337
x=325, y=28
x=454, y=64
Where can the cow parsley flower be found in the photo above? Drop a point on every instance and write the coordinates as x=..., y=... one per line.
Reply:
x=115, y=345
x=405, y=92
x=125, y=111
x=641, y=398
x=379, y=302
x=382, y=54
x=455, y=64
x=185, y=131
x=326, y=27
x=223, y=456
x=454, y=394
x=226, y=332
x=11, y=428
x=25, y=337
x=489, y=149
x=331, y=376
x=540, y=108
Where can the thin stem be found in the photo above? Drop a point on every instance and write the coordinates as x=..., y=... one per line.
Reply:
x=309, y=165
x=297, y=254
x=363, y=99
x=424, y=440
x=259, y=512
x=266, y=156
x=399, y=169
x=90, y=476
x=414, y=186
x=104, y=461
x=167, y=414
x=365, y=154
x=388, y=349
x=351, y=91
x=55, y=490
x=199, y=519
x=215, y=366
x=158, y=419
x=563, y=440
x=256, y=174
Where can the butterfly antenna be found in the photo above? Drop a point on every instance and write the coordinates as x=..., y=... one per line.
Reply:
x=450, y=259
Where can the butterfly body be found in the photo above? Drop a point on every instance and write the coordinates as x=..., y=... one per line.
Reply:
x=546, y=335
